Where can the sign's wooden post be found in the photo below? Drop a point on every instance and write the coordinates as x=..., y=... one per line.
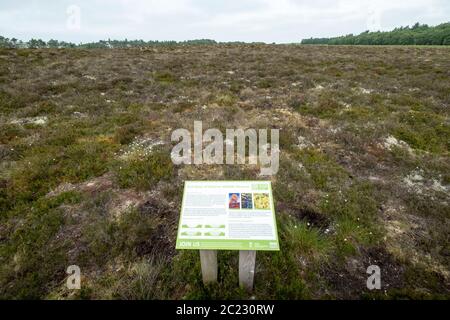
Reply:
x=247, y=269
x=208, y=260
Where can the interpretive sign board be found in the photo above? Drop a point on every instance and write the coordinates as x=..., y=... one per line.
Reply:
x=227, y=215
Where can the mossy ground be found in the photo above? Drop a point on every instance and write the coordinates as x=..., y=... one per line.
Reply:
x=86, y=176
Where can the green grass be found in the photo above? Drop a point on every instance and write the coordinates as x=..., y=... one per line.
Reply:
x=144, y=171
x=164, y=77
x=424, y=131
x=38, y=259
x=306, y=241
x=323, y=172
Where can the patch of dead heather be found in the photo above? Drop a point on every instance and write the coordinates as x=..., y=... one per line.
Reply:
x=290, y=117
x=125, y=200
x=403, y=232
x=120, y=200
x=95, y=185
x=415, y=181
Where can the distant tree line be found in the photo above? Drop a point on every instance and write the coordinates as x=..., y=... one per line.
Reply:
x=38, y=43
x=34, y=43
x=418, y=34
x=141, y=43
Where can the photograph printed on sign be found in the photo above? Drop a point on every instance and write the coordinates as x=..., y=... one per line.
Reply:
x=246, y=201
x=234, y=201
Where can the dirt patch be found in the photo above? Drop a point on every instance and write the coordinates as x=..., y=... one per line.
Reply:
x=315, y=218
x=310, y=216
x=3, y=183
x=3, y=233
x=162, y=239
x=160, y=243
x=349, y=280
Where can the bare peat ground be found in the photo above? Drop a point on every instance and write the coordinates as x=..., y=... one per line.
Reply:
x=86, y=176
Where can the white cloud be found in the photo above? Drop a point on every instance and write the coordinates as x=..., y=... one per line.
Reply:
x=248, y=20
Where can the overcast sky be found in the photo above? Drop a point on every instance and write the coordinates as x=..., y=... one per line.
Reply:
x=278, y=21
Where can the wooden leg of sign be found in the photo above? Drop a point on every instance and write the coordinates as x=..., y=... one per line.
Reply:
x=208, y=260
x=247, y=269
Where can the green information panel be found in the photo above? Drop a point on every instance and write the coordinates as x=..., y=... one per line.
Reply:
x=227, y=215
